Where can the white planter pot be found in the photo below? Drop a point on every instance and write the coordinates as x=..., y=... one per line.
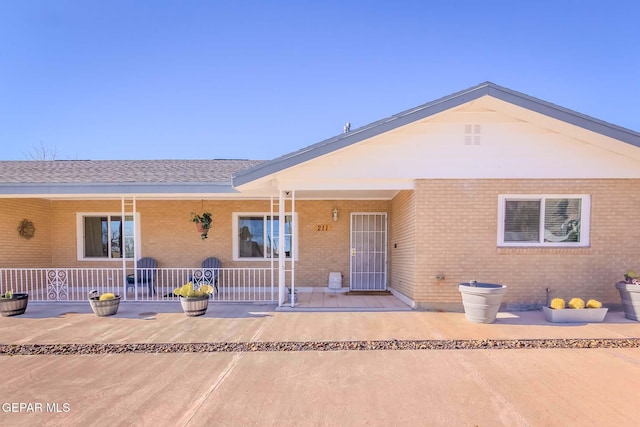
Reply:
x=630, y=297
x=572, y=315
x=482, y=301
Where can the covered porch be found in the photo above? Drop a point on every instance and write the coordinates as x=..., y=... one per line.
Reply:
x=314, y=299
x=90, y=236
x=235, y=285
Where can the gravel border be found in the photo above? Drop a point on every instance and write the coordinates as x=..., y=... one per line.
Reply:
x=236, y=347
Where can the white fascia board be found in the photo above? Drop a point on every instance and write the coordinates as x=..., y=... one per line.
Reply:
x=350, y=185
x=119, y=189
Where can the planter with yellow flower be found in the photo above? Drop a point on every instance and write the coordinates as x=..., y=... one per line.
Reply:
x=13, y=304
x=574, y=312
x=105, y=304
x=194, y=301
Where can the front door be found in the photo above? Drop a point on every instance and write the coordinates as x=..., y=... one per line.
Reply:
x=368, y=252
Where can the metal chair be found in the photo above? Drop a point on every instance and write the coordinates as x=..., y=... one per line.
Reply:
x=146, y=272
x=208, y=274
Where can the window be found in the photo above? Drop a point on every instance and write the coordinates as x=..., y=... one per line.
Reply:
x=551, y=220
x=254, y=238
x=105, y=236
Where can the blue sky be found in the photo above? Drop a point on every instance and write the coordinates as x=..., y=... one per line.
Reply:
x=258, y=79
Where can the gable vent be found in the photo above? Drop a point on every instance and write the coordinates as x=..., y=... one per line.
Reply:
x=472, y=134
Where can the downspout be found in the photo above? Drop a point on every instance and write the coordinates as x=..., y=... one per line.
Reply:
x=293, y=238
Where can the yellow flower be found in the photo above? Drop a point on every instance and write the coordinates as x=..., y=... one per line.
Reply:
x=576, y=303
x=107, y=296
x=187, y=290
x=557, y=303
x=594, y=304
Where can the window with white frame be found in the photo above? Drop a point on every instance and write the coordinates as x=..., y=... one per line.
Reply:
x=543, y=220
x=105, y=236
x=256, y=238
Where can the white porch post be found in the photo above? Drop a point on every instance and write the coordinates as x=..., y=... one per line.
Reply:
x=123, y=251
x=271, y=251
x=281, y=254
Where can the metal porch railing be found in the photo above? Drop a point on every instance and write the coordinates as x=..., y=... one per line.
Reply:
x=74, y=284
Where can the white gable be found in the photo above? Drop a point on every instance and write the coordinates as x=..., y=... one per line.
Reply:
x=485, y=138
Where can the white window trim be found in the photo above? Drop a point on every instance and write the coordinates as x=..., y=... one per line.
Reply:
x=235, y=233
x=80, y=236
x=585, y=220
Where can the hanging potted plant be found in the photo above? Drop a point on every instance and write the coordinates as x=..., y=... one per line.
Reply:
x=194, y=301
x=13, y=304
x=203, y=222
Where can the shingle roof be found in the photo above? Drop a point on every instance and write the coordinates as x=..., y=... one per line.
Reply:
x=121, y=171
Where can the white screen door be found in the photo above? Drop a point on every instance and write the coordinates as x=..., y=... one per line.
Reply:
x=368, y=252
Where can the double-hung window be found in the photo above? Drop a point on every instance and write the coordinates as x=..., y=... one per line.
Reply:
x=544, y=220
x=104, y=236
x=255, y=236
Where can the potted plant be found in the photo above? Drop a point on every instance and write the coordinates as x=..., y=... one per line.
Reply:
x=630, y=295
x=203, y=222
x=577, y=311
x=194, y=301
x=481, y=301
x=104, y=305
x=13, y=304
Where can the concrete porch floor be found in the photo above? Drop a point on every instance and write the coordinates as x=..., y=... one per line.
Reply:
x=323, y=300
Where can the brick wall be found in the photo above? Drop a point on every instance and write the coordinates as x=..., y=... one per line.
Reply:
x=457, y=235
x=169, y=236
x=402, y=243
x=322, y=252
x=444, y=227
x=15, y=250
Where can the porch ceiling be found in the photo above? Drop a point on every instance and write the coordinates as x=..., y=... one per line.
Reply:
x=345, y=194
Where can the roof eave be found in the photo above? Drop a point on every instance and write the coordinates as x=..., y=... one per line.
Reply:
x=564, y=114
x=69, y=189
x=430, y=109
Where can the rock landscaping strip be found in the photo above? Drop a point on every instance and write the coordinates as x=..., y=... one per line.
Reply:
x=236, y=347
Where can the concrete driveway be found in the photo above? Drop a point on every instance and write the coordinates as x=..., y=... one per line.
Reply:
x=302, y=386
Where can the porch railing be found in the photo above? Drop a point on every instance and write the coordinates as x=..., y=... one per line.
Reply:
x=158, y=284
